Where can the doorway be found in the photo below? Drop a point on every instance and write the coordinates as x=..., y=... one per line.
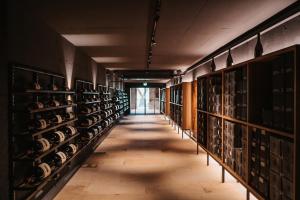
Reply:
x=144, y=101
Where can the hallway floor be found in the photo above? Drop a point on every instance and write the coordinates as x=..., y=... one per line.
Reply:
x=144, y=158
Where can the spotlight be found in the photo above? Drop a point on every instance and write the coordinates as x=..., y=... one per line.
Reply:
x=145, y=84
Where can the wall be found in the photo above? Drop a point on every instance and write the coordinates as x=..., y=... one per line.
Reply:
x=31, y=42
x=3, y=104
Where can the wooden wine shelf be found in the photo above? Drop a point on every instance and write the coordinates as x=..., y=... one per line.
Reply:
x=88, y=114
x=49, y=92
x=51, y=108
x=47, y=129
x=88, y=127
x=90, y=102
x=90, y=93
x=37, y=158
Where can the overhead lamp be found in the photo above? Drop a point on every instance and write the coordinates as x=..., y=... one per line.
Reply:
x=145, y=84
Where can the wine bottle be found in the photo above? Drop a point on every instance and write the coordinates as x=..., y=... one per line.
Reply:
x=98, y=117
x=69, y=116
x=94, y=119
x=53, y=87
x=57, y=137
x=69, y=131
x=36, y=86
x=94, y=130
x=70, y=150
x=86, y=122
x=54, y=103
x=56, y=119
x=87, y=136
x=38, y=124
x=59, y=158
x=41, y=145
x=36, y=105
x=68, y=102
x=42, y=171
x=85, y=110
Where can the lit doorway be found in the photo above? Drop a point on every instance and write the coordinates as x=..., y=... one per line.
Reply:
x=144, y=101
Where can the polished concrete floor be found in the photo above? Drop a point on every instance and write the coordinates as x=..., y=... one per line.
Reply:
x=144, y=158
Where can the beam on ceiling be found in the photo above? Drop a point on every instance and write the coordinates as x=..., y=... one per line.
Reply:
x=157, y=74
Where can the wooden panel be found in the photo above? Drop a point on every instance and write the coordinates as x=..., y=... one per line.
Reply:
x=194, y=107
x=187, y=105
x=167, y=101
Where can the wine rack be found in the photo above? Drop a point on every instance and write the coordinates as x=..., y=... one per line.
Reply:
x=176, y=104
x=43, y=129
x=247, y=118
x=125, y=102
x=88, y=109
x=108, y=107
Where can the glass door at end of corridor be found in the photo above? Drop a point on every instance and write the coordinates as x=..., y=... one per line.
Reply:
x=144, y=101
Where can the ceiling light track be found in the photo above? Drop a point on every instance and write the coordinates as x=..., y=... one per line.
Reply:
x=152, y=42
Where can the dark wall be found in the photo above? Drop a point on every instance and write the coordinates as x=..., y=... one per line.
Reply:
x=3, y=104
x=31, y=42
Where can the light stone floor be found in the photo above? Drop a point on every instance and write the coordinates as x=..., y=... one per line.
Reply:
x=144, y=158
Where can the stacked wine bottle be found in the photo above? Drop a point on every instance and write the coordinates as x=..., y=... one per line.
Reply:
x=107, y=107
x=44, y=136
x=89, y=111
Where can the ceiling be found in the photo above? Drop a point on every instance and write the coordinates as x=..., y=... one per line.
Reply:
x=115, y=33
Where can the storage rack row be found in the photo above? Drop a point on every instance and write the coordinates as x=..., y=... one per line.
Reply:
x=47, y=136
x=162, y=100
x=176, y=103
x=247, y=121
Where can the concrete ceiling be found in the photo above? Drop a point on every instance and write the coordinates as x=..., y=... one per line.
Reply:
x=115, y=32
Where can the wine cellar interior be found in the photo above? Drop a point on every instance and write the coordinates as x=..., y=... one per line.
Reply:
x=154, y=100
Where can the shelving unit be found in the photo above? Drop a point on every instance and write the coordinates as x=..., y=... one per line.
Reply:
x=163, y=101
x=49, y=116
x=37, y=97
x=180, y=105
x=247, y=117
x=88, y=109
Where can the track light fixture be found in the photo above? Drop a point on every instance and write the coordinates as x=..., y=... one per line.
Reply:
x=154, y=21
x=213, y=65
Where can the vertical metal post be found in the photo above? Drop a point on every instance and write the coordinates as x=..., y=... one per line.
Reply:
x=207, y=159
x=247, y=195
x=223, y=174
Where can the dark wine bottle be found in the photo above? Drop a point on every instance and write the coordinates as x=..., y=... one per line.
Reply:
x=42, y=171
x=38, y=124
x=86, y=136
x=86, y=122
x=56, y=119
x=70, y=150
x=36, y=105
x=57, y=137
x=54, y=103
x=53, y=87
x=59, y=158
x=41, y=145
x=37, y=86
x=69, y=131
x=94, y=119
x=85, y=110
x=69, y=116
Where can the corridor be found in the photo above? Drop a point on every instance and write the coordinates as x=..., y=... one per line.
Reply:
x=144, y=158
